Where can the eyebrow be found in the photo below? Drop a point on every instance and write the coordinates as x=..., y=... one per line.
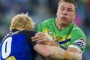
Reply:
x=67, y=8
x=71, y=9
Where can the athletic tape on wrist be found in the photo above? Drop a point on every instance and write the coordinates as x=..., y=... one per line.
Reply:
x=67, y=55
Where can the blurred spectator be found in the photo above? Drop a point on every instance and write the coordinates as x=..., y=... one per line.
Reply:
x=87, y=15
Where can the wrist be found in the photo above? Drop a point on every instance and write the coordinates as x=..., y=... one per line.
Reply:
x=67, y=55
x=53, y=43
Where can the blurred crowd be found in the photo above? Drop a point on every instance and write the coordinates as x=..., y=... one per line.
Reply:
x=40, y=10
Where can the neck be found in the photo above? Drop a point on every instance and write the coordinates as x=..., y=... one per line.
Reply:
x=61, y=26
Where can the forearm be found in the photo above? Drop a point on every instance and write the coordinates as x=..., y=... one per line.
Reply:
x=42, y=49
x=59, y=53
x=75, y=56
x=56, y=53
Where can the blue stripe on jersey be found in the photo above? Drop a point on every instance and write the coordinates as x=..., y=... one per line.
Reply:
x=63, y=42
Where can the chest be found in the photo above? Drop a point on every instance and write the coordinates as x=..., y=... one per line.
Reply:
x=63, y=38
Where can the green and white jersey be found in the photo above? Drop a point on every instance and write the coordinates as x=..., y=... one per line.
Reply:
x=71, y=36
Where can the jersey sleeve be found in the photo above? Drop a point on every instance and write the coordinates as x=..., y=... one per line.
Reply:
x=78, y=40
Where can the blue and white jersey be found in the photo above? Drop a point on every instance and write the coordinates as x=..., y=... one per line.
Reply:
x=17, y=45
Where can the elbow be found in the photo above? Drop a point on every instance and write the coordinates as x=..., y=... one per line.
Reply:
x=79, y=57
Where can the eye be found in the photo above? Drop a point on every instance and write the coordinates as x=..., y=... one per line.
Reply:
x=62, y=8
x=70, y=10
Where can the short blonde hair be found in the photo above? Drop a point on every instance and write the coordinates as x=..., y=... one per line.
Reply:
x=22, y=21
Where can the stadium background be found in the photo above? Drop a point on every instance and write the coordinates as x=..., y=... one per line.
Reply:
x=40, y=10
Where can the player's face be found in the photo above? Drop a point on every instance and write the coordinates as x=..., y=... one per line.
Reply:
x=66, y=13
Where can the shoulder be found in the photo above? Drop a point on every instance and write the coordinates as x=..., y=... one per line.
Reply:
x=46, y=24
x=77, y=32
x=27, y=32
x=48, y=21
x=78, y=38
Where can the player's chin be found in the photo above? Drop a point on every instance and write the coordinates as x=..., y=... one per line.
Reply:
x=64, y=23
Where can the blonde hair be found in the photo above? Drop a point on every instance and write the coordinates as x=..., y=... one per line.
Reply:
x=22, y=21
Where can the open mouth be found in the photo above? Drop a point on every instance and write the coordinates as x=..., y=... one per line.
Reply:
x=64, y=18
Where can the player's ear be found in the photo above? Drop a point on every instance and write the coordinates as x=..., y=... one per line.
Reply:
x=74, y=15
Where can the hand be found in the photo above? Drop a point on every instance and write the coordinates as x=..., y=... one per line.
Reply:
x=44, y=38
x=41, y=37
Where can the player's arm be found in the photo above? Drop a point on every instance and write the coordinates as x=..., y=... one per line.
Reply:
x=58, y=53
x=42, y=37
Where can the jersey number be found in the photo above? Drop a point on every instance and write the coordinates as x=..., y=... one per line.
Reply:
x=6, y=47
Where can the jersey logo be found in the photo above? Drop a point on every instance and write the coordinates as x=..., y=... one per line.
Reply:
x=80, y=42
x=11, y=58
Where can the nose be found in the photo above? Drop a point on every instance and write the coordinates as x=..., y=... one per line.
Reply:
x=64, y=12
